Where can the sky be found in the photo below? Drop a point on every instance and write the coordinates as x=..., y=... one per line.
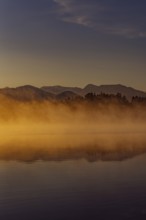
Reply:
x=73, y=42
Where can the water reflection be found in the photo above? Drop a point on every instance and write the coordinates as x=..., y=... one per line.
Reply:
x=91, y=147
x=74, y=190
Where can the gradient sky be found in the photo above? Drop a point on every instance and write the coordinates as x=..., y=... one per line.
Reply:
x=73, y=42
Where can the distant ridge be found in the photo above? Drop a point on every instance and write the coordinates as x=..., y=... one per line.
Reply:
x=59, y=89
x=129, y=92
x=26, y=93
x=29, y=93
x=67, y=95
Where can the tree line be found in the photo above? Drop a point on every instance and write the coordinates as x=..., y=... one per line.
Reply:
x=104, y=98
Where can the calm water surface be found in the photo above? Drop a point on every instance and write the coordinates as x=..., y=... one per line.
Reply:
x=73, y=188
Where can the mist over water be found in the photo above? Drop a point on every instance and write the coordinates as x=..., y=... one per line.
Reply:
x=46, y=130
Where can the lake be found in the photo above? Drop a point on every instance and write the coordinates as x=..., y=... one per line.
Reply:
x=76, y=177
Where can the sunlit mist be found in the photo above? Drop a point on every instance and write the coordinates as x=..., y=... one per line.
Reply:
x=59, y=130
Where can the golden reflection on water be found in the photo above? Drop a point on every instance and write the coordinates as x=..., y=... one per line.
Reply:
x=58, y=147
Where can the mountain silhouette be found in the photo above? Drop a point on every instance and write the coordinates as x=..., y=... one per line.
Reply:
x=30, y=93
x=129, y=92
x=26, y=93
x=60, y=89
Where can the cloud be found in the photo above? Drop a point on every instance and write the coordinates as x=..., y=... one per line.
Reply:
x=103, y=16
x=64, y=5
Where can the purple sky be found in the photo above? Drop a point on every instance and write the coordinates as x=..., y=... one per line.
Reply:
x=73, y=42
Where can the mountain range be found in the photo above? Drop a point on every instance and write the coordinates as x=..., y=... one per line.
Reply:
x=29, y=93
